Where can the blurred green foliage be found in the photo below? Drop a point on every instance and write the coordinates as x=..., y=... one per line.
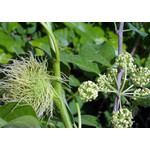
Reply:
x=86, y=49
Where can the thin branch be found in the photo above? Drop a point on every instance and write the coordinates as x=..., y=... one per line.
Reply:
x=120, y=42
x=136, y=45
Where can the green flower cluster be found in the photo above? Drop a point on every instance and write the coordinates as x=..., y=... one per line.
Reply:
x=141, y=93
x=102, y=84
x=141, y=77
x=122, y=118
x=109, y=78
x=125, y=61
x=111, y=74
x=88, y=91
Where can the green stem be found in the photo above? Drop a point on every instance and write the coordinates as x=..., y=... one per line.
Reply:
x=141, y=97
x=127, y=30
x=77, y=106
x=79, y=113
x=116, y=80
x=58, y=87
x=115, y=26
x=126, y=100
x=71, y=96
x=111, y=87
x=128, y=88
x=108, y=91
x=75, y=125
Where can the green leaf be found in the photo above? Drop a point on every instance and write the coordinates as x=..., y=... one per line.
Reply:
x=89, y=120
x=87, y=32
x=98, y=35
x=12, y=26
x=62, y=37
x=147, y=63
x=2, y=122
x=32, y=27
x=83, y=29
x=137, y=60
x=81, y=61
x=136, y=30
x=4, y=56
x=23, y=122
x=103, y=53
x=73, y=81
x=113, y=41
x=72, y=104
x=41, y=43
x=7, y=43
x=11, y=111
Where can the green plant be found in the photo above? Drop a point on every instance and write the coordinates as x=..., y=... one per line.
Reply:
x=86, y=73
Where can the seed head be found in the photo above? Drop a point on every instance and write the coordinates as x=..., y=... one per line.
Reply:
x=27, y=80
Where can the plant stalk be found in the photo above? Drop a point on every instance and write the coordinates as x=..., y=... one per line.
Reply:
x=120, y=43
x=58, y=87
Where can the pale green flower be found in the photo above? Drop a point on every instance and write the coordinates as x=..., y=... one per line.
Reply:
x=125, y=61
x=141, y=77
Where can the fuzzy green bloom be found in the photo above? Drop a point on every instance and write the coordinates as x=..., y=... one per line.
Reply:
x=141, y=77
x=122, y=119
x=27, y=80
x=88, y=91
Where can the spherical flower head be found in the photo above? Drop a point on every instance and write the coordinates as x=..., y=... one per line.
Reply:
x=27, y=80
x=140, y=93
x=125, y=61
x=88, y=91
x=122, y=118
x=141, y=76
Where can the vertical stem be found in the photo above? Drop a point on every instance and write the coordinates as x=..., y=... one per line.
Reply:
x=120, y=43
x=58, y=87
x=79, y=113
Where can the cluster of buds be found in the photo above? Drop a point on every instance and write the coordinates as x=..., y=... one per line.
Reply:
x=141, y=77
x=109, y=78
x=125, y=61
x=102, y=84
x=122, y=119
x=111, y=74
x=88, y=91
x=141, y=93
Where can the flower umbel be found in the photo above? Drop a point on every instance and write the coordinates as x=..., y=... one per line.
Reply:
x=122, y=119
x=125, y=61
x=88, y=91
x=141, y=76
x=27, y=80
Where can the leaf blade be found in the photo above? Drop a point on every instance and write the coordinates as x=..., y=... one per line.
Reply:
x=82, y=62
